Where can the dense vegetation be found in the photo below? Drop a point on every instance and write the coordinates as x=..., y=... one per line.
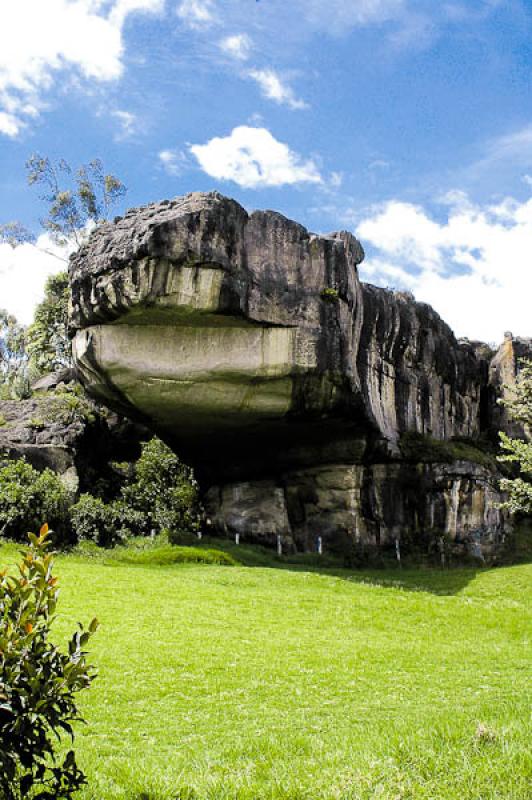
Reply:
x=247, y=683
x=158, y=494
x=518, y=451
x=26, y=353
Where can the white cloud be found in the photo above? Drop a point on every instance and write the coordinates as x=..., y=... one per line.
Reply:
x=38, y=39
x=23, y=273
x=237, y=46
x=273, y=88
x=128, y=124
x=474, y=268
x=253, y=158
x=343, y=14
x=174, y=161
x=197, y=13
x=9, y=124
x=503, y=152
x=511, y=145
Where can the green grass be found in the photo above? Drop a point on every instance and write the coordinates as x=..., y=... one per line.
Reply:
x=284, y=682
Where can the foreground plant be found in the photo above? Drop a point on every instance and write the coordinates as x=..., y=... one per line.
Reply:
x=38, y=683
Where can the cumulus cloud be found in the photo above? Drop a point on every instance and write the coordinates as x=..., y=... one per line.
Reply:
x=9, y=124
x=23, y=273
x=237, y=46
x=253, y=158
x=38, y=39
x=274, y=88
x=197, y=13
x=474, y=267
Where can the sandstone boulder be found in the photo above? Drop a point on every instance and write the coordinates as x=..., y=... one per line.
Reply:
x=251, y=346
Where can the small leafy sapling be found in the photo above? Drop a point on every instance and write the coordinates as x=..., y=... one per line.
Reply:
x=38, y=682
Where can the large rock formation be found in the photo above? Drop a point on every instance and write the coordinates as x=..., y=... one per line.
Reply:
x=58, y=428
x=252, y=347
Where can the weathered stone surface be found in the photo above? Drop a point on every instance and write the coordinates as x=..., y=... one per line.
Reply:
x=66, y=433
x=503, y=372
x=252, y=347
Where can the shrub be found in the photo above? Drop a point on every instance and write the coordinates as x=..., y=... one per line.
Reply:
x=67, y=408
x=107, y=524
x=329, y=294
x=28, y=496
x=38, y=683
x=127, y=521
x=91, y=519
x=163, y=490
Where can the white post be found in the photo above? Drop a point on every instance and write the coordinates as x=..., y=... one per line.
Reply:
x=237, y=538
x=279, y=545
x=199, y=534
x=398, y=551
x=320, y=546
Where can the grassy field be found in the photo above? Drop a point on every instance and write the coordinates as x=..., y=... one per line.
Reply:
x=219, y=682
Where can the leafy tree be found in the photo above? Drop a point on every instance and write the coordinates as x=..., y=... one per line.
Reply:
x=38, y=682
x=76, y=199
x=164, y=489
x=48, y=345
x=13, y=357
x=519, y=451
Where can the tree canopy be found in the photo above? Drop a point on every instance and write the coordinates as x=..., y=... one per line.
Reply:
x=519, y=451
x=76, y=200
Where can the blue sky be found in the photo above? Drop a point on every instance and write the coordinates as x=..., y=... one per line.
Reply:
x=406, y=121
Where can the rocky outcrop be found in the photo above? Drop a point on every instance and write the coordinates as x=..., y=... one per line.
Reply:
x=58, y=428
x=503, y=373
x=374, y=504
x=252, y=347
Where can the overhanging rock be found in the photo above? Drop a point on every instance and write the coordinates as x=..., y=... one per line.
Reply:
x=252, y=347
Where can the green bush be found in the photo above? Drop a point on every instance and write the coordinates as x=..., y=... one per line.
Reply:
x=91, y=519
x=329, y=294
x=163, y=490
x=161, y=495
x=107, y=524
x=38, y=683
x=127, y=521
x=28, y=496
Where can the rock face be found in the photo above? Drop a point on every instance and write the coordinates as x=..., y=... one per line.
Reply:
x=59, y=429
x=503, y=372
x=252, y=347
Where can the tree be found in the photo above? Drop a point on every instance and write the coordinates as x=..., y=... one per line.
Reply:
x=38, y=682
x=77, y=201
x=519, y=451
x=47, y=341
x=163, y=489
x=14, y=380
